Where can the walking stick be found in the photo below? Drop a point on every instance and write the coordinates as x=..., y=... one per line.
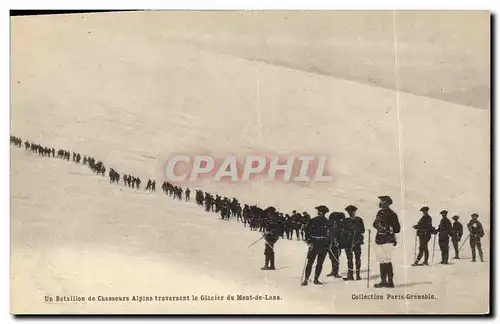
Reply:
x=433, y=249
x=304, y=268
x=415, y=248
x=464, y=242
x=256, y=241
x=368, y=276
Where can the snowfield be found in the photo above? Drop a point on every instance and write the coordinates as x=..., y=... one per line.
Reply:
x=134, y=97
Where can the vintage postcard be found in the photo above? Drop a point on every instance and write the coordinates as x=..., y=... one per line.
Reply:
x=250, y=162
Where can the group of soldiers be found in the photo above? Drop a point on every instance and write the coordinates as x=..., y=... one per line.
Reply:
x=224, y=206
x=16, y=141
x=325, y=235
x=37, y=148
x=330, y=235
x=446, y=231
x=175, y=191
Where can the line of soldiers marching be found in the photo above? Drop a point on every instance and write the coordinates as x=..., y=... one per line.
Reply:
x=324, y=235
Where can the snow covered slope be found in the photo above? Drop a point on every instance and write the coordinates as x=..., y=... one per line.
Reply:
x=132, y=100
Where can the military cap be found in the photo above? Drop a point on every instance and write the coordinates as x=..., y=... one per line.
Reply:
x=270, y=209
x=322, y=209
x=351, y=208
x=337, y=215
x=444, y=212
x=387, y=199
x=474, y=215
x=455, y=217
x=425, y=208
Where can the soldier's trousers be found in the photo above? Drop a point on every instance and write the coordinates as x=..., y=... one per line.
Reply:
x=317, y=253
x=356, y=250
x=455, y=246
x=476, y=242
x=423, y=248
x=334, y=255
x=269, y=254
x=444, y=245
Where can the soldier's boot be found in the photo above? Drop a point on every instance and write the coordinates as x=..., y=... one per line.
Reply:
x=390, y=275
x=335, y=270
x=349, y=276
x=419, y=256
x=308, y=271
x=473, y=254
x=455, y=248
x=317, y=273
x=426, y=257
x=334, y=274
x=271, y=259
x=383, y=276
x=266, y=262
x=358, y=276
x=481, y=255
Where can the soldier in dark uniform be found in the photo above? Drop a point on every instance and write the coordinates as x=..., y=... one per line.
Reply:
x=444, y=233
x=476, y=233
x=317, y=239
x=354, y=228
x=335, y=222
x=148, y=185
x=288, y=229
x=272, y=232
x=295, y=224
x=305, y=219
x=424, y=232
x=387, y=225
x=457, y=230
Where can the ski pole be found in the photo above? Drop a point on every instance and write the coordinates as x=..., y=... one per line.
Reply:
x=415, y=248
x=433, y=248
x=368, y=275
x=464, y=242
x=305, y=264
x=256, y=241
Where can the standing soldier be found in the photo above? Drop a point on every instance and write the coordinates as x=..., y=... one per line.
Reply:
x=187, y=194
x=271, y=234
x=354, y=228
x=148, y=185
x=295, y=223
x=387, y=225
x=457, y=231
x=424, y=232
x=317, y=240
x=336, y=220
x=287, y=223
x=444, y=233
x=306, y=218
x=476, y=233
